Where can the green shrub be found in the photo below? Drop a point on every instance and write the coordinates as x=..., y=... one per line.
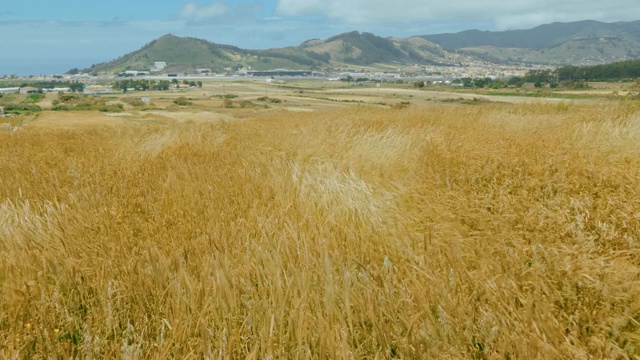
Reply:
x=266, y=98
x=182, y=101
x=18, y=109
x=75, y=102
x=246, y=104
x=112, y=108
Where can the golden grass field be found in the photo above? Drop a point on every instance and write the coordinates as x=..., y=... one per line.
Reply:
x=439, y=231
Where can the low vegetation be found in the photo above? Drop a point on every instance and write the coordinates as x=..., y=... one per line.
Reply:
x=33, y=98
x=21, y=109
x=182, y=101
x=76, y=102
x=445, y=231
x=269, y=99
x=618, y=71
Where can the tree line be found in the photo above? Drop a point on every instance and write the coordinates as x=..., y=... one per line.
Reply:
x=622, y=70
x=144, y=85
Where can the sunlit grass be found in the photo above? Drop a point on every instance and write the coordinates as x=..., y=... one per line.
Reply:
x=492, y=231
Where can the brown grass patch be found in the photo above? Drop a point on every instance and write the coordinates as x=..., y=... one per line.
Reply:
x=492, y=231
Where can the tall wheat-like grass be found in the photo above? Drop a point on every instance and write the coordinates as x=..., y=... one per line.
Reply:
x=493, y=231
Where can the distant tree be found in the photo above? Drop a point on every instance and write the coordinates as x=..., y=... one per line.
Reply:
x=540, y=76
x=164, y=85
x=497, y=84
x=538, y=84
x=199, y=84
x=516, y=81
x=467, y=82
x=554, y=85
x=479, y=83
x=73, y=71
x=76, y=87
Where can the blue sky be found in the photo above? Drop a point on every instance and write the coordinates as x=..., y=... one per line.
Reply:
x=52, y=36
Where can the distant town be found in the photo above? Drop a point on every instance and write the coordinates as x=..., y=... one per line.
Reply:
x=93, y=83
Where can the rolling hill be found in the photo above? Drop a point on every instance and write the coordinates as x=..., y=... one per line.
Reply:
x=582, y=42
x=367, y=49
x=353, y=48
x=576, y=43
x=186, y=53
x=180, y=52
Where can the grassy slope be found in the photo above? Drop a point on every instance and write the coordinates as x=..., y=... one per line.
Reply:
x=501, y=231
x=364, y=49
x=185, y=52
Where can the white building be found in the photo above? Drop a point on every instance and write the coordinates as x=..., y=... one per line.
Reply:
x=57, y=90
x=11, y=90
x=159, y=65
x=29, y=90
x=98, y=89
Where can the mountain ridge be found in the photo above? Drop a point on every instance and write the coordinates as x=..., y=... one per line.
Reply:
x=347, y=49
x=580, y=43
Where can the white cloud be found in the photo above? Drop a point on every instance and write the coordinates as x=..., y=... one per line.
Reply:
x=192, y=11
x=504, y=14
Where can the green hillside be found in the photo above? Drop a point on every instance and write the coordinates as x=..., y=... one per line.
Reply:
x=363, y=49
x=180, y=53
x=356, y=48
x=186, y=54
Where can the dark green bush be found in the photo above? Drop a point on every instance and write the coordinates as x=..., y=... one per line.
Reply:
x=182, y=101
x=18, y=109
